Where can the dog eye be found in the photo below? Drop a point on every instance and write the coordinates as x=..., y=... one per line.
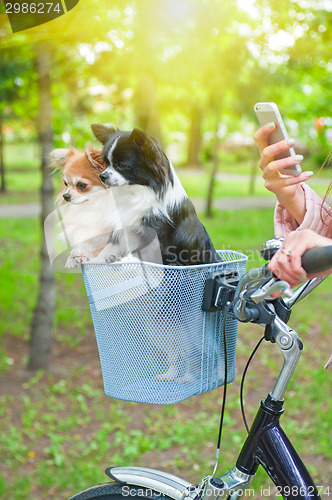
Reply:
x=65, y=183
x=81, y=186
x=121, y=165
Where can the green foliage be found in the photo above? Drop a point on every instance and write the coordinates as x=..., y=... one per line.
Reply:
x=23, y=179
x=14, y=68
x=66, y=431
x=144, y=63
x=151, y=64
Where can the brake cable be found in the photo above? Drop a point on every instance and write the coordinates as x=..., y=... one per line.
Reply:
x=243, y=379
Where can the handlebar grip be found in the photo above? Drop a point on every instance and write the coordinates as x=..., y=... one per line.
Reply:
x=317, y=259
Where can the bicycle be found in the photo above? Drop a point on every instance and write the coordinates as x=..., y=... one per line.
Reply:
x=247, y=299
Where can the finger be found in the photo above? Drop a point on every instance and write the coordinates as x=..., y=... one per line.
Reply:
x=262, y=134
x=277, y=167
x=279, y=265
x=281, y=269
x=290, y=180
x=284, y=180
x=282, y=163
x=296, y=244
x=278, y=147
x=287, y=262
x=288, y=266
x=295, y=261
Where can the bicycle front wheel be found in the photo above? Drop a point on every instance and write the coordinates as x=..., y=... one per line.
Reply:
x=118, y=491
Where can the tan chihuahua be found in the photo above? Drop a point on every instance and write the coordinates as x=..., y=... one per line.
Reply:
x=84, y=226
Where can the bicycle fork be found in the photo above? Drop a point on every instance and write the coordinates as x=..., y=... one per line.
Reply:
x=267, y=444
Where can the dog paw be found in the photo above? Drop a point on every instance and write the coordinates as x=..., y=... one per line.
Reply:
x=168, y=376
x=129, y=258
x=111, y=258
x=75, y=258
x=70, y=263
x=186, y=379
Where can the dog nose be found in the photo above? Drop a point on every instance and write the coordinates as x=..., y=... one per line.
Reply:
x=103, y=176
x=66, y=196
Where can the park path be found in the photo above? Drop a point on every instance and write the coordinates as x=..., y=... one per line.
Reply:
x=230, y=203
x=24, y=210
x=19, y=211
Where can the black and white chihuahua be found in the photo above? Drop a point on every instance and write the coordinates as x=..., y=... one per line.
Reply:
x=151, y=199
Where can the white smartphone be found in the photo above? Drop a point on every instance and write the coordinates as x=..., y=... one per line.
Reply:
x=267, y=112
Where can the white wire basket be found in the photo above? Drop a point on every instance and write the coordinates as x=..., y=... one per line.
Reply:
x=156, y=344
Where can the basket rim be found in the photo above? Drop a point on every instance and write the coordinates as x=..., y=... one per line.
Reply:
x=242, y=258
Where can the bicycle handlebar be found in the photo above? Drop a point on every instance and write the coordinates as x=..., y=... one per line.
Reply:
x=257, y=284
x=317, y=259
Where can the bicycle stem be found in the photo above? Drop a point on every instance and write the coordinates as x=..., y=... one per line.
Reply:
x=291, y=347
x=285, y=337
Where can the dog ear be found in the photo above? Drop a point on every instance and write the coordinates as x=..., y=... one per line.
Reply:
x=59, y=156
x=155, y=159
x=102, y=132
x=95, y=158
x=138, y=137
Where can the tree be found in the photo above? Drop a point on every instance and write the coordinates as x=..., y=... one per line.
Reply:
x=194, y=64
x=41, y=327
x=11, y=69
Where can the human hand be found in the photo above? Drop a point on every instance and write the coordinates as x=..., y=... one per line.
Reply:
x=286, y=263
x=285, y=187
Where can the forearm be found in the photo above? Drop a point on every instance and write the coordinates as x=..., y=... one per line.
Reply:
x=295, y=204
x=317, y=215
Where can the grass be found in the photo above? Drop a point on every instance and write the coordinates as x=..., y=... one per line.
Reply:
x=24, y=188
x=60, y=430
x=196, y=184
x=23, y=177
x=22, y=156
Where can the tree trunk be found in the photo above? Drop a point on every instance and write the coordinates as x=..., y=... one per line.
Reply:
x=2, y=165
x=41, y=328
x=252, y=179
x=215, y=165
x=214, y=172
x=195, y=137
x=146, y=111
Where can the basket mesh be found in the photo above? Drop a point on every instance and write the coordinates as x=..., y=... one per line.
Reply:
x=155, y=343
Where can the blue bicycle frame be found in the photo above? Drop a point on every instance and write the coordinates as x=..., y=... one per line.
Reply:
x=268, y=445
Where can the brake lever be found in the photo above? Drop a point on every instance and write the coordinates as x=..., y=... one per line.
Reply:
x=271, y=286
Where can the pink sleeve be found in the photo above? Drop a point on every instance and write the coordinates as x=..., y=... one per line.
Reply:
x=317, y=217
